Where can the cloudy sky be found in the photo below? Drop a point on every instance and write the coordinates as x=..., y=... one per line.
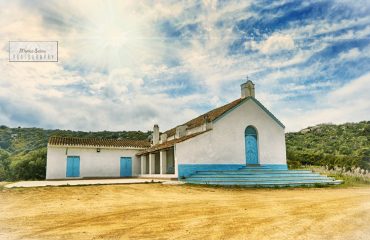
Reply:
x=127, y=65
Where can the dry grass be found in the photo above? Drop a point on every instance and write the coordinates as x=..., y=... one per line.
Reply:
x=154, y=211
x=352, y=177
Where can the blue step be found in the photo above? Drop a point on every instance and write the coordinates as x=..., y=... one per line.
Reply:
x=286, y=173
x=225, y=174
x=256, y=167
x=255, y=178
x=259, y=182
x=259, y=171
x=269, y=184
x=273, y=171
x=260, y=176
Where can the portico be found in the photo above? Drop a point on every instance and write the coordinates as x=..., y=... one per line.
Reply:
x=158, y=163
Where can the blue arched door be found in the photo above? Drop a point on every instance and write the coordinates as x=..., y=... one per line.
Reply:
x=251, y=147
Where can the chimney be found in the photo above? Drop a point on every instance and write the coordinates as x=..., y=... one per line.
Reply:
x=247, y=89
x=180, y=131
x=155, y=134
x=207, y=124
x=163, y=137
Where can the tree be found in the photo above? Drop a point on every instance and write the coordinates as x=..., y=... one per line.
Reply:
x=30, y=166
x=4, y=165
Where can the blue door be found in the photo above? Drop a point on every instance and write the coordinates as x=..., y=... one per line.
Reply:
x=251, y=147
x=73, y=166
x=126, y=167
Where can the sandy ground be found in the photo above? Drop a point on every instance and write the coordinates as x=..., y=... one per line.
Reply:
x=155, y=211
x=46, y=183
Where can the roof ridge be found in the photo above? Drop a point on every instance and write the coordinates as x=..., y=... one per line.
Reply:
x=94, y=138
x=211, y=116
x=107, y=142
x=169, y=143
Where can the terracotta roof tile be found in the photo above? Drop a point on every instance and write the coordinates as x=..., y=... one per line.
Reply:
x=69, y=141
x=169, y=144
x=210, y=116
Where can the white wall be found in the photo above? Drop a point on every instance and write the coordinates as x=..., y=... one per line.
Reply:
x=106, y=163
x=225, y=144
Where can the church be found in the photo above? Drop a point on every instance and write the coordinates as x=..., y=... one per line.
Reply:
x=233, y=139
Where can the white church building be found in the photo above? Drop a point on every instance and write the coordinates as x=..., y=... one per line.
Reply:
x=240, y=133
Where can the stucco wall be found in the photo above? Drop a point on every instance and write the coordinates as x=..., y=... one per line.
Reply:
x=106, y=163
x=225, y=144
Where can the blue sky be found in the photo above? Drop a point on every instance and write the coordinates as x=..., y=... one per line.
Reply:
x=126, y=65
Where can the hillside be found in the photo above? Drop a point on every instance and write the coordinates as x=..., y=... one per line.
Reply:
x=16, y=140
x=345, y=145
x=23, y=150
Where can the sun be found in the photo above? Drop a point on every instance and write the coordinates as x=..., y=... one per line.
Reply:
x=113, y=37
x=109, y=36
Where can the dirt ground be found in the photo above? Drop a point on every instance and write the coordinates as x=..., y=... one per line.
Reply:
x=155, y=211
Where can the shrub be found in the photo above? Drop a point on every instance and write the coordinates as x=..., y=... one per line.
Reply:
x=4, y=165
x=30, y=166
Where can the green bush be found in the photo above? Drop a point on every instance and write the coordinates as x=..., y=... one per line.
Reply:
x=30, y=166
x=295, y=159
x=4, y=165
x=346, y=145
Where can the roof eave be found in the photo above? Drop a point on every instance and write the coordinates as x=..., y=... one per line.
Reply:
x=95, y=146
x=173, y=143
x=258, y=103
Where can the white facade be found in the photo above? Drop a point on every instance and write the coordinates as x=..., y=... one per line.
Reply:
x=105, y=163
x=219, y=143
x=225, y=144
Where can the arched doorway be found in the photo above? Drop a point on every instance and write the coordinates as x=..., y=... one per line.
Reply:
x=251, y=145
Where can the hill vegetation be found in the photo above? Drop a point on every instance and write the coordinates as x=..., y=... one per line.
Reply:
x=23, y=150
x=346, y=145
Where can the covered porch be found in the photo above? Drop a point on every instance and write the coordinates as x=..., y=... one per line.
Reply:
x=158, y=163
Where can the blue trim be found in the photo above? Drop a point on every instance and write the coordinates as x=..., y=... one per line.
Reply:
x=186, y=170
x=258, y=103
x=276, y=166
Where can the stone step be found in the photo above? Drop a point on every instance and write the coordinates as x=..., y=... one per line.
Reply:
x=259, y=171
x=269, y=184
x=262, y=167
x=256, y=168
x=256, y=173
x=273, y=171
x=261, y=183
x=254, y=176
x=223, y=178
x=258, y=179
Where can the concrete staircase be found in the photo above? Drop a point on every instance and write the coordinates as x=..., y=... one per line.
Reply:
x=261, y=176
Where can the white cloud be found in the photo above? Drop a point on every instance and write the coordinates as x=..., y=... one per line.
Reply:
x=355, y=91
x=116, y=67
x=349, y=103
x=351, y=54
x=273, y=44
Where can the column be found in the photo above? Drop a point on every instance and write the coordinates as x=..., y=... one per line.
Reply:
x=176, y=166
x=163, y=161
x=143, y=164
x=151, y=163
